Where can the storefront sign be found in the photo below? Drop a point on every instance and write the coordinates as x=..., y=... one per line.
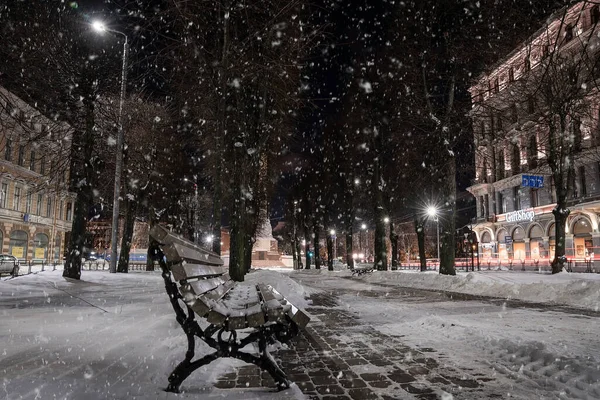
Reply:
x=520, y=215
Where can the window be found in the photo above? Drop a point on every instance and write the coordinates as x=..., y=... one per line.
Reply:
x=534, y=197
x=8, y=150
x=511, y=74
x=572, y=184
x=576, y=130
x=482, y=129
x=500, y=167
x=43, y=165
x=545, y=51
x=28, y=201
x=526, y=64
x=481, y=207
x=581, y=176
x=568, y=33
x=38, y=206
x=515, y=164
x=4, y=194
x=60, y=210
x=532, y=152
x=501, y=206
x=69, y=211
x=595, y=15
x=499, y=121
x=516, y=198
x=496, y=86
x=487, y=205
x=32, y=161
x=21, y=159
x=49, y=207
x=17, y=198
x=530, y=105
x=480, y=97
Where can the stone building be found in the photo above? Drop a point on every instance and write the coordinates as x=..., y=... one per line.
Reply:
x=514, y=214
x=36, y=208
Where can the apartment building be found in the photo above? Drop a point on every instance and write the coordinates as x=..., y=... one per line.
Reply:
x=36, y=208
x=514, y=214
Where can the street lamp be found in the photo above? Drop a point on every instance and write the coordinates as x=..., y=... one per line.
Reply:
x=433, y=213
x=100, y=27
x=332, y=233
x=386, y=220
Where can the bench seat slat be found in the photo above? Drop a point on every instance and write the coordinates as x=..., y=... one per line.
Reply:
x=296, y=315
x=202, y=286
x=271, y=305
x=186, y=270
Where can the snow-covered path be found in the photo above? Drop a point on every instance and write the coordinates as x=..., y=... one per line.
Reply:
x=113, y=336
x=521, y=351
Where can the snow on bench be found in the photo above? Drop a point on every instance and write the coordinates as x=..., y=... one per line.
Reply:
x=198, y=278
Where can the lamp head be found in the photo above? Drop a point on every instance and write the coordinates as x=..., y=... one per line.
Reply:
x=432, y=211
x=364, y=226
x=332, y=232
x=98, y=26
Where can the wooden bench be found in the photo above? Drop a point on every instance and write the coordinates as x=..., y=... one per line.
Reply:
x=361, y=269
x=196, y=281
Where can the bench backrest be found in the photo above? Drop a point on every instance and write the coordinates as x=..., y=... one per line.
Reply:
x=186, y=259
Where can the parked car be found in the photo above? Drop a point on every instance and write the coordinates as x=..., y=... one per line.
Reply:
x=9, y=265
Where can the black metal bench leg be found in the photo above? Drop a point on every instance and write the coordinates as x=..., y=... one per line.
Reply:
x=185, y=368
x=265, y=362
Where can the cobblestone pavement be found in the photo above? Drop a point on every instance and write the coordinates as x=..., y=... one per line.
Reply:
x=338, y=357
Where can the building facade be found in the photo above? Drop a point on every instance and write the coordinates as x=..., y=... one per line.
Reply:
x=514, y=219
x=36, y=208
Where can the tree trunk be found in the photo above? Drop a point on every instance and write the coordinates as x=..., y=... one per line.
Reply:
x=82, y=175
x=220, y=139
x=349, y=238
x=129, y=207
x=380, y=259
x=248, y=253
x=237, y=269
x=561, y=213
x=420, y=230
x=329, y=252
x=448, y=243
x=394, y=242
x=298, y=251
x=316, y=232
x=151, y=242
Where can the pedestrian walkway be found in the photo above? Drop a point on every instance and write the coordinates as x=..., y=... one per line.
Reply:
x=337, y=358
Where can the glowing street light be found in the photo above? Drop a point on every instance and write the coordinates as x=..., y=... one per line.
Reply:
x=100, y=27
x=386, y=220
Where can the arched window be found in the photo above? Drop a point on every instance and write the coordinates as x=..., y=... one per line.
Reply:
x=568, y=33
x=486, y=237
x=595, y=15
x=18, y=244
x=518, y=233
x=532, y=152
x=40, y=246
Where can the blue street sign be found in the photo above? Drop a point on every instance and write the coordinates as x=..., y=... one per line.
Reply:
x=508, y=239
x=533, y=181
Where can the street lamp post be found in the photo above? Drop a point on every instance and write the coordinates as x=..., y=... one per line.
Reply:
x=100, y=27
x=433, y=212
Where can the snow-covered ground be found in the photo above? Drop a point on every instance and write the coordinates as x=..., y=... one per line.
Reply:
x=113, y=336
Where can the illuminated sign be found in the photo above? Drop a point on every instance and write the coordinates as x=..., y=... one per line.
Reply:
x=520, y=215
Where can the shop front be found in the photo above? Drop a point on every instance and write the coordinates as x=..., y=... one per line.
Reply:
x=519, y=248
